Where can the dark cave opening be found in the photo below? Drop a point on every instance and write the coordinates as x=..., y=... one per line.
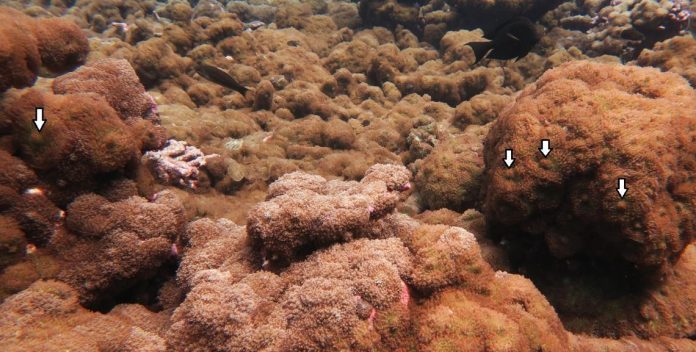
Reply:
x=588, y=293
x=143, y=290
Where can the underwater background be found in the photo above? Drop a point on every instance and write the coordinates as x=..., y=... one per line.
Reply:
x=376, y=175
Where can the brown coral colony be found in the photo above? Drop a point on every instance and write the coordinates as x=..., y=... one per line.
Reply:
x=310, y=175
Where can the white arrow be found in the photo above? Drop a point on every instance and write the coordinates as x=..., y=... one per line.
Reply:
x=622, y=187
x=509, y=160
x=39, y=122
x=545, y=147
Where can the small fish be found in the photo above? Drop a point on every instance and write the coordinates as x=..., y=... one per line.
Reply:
x=514, y=39
x=221, y=77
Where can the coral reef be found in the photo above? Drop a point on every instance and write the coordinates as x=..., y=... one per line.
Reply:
x=450, y=176
x=369, y=281
x=622, y=28
x=600, y=132
x=29, y=322
x=86, y=137
x=364, y=154
x=29, y=43
x=673, y=55
x=304, y=210
x=114, y=80
x=106, y=248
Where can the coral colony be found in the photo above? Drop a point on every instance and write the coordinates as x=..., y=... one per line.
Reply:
x=373, y=175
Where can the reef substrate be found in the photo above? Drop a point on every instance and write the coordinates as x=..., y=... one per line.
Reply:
x=335, y=176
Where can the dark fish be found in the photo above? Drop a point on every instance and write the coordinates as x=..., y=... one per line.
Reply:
x=512, y=40
x=221, y=77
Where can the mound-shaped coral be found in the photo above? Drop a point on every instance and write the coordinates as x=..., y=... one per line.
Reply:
x=85, y=136
x=304, y=212
x=389, y=13
x=154, y=59
x=20, y=53
x=450, y=176
x=217, y=244
x=98, y=127
x=604, y=123
x=325, y=302
x=103, y=248
x=113, y=79
x=674, y=55
x=421, y=287
x=29, y=43
x=111, y=246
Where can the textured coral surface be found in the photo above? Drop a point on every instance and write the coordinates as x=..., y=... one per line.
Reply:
x=605, y=123
x=329, y=175
x=29, y=43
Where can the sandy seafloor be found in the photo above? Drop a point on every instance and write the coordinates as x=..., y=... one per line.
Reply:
x=351, y=180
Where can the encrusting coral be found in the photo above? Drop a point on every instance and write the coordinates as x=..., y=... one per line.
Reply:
x=177, y=163
x=101, y=120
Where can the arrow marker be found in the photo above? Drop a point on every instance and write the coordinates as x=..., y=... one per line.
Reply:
x=622, y=188
x=545, y=147
x=39, y=121
x=509, y=160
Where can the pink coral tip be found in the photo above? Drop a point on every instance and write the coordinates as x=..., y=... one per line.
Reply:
x=371, y=319
x=405, y=296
